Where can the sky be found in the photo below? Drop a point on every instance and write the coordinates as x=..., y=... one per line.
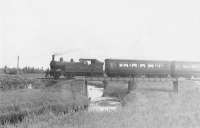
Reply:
x=122, y=29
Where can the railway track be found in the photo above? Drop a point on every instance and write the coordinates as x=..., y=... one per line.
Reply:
x=112, y=79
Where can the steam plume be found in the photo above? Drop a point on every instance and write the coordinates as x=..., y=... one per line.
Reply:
x=65, y=52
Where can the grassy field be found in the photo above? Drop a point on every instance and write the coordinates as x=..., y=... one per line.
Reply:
x=151, y=105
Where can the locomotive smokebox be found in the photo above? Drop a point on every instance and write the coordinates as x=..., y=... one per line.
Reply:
x=53, y=57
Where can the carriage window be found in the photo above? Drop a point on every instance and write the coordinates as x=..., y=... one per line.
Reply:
x=120, y=65
x=142, y=66
x=157, y=65
x=134, y=65
x=87, y=62
x=150, y=66
x=125, y=65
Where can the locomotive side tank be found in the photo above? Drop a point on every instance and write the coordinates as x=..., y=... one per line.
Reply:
x=85, y=67
x=149, y=68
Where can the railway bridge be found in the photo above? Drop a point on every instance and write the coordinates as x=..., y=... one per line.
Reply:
x=132, y=81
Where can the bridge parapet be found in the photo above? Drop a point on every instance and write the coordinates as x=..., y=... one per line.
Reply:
x=132, y=81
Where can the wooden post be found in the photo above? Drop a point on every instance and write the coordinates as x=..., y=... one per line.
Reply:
x=17, y=64
x=73, y=91
x=175, y=85
x=85, y=88
x=131, y=85
x=105, y=84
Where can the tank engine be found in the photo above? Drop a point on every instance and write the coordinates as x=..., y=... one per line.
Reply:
x=85, y=67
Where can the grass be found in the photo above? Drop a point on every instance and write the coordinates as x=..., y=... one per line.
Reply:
x=145, y=109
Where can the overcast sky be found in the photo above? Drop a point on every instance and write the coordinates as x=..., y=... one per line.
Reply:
x=124, y=29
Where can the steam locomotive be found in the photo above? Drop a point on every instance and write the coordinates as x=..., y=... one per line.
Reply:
x=85, y=67
x=123, y=68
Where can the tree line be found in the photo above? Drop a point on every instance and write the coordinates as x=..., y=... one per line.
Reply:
x=26, y=69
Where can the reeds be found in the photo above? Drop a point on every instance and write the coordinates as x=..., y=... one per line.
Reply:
x=16, y=104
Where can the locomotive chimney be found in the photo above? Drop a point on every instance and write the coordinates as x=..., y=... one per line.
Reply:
x=53, y=57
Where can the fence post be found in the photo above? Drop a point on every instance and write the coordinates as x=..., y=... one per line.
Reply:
x=175, y=85
x=105, y=84
x=131, y=85
x=85, y=88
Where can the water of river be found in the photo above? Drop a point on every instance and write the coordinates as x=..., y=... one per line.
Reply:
x=99, y=103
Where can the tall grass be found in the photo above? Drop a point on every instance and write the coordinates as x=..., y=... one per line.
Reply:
x=57, y=98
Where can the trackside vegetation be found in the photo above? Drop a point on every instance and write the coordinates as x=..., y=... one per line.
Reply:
x=56, y=97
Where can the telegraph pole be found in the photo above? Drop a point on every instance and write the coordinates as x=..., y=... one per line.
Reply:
x=17, y=64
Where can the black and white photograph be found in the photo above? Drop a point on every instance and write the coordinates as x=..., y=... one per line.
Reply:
x=99, y=64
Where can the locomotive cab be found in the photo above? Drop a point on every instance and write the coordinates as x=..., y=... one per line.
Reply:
x=89, y=61
x=94, y=67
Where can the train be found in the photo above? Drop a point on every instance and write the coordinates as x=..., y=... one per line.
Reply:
x=123, y=68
